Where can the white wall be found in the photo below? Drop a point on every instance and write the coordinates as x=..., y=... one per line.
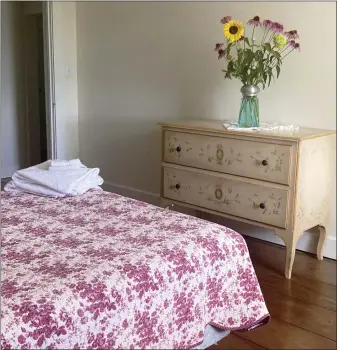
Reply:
x=13, y=139
x=142, y=63
x=65, y=57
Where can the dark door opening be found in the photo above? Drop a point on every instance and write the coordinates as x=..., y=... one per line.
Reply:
x=42, y=91
x=34, y=53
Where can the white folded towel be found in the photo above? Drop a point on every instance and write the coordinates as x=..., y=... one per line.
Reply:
x=65, y=165
x=56, y=183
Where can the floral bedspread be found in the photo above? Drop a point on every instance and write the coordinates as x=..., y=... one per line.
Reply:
x=102, y=271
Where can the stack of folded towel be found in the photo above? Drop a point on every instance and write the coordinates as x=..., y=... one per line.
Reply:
x=56, y=178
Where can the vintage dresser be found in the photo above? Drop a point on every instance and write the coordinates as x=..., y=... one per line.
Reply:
x=280, y=180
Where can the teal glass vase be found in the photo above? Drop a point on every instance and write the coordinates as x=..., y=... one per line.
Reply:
x=249, y=116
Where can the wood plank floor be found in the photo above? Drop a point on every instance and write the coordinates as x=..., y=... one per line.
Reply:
x=303, y=309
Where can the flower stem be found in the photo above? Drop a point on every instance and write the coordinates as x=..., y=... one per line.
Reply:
x=271, y=37
x=253, y=39
x=264, y=35
x=284, y=49
x=282, y=58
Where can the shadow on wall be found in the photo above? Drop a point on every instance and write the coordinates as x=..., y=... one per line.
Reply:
x=128, y=151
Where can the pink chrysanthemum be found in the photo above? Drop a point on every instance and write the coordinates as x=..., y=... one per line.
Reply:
x=268, y=24
x=222, y=53
x=218, y=47
x=277, y=27
x=292, y=34
x=292, y=43
x=226, y=19
x=255, y=21
x=295, y=45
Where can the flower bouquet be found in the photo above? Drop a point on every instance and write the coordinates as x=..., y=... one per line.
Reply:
x=254, y=63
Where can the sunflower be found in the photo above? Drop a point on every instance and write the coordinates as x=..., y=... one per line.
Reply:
x=233, y=30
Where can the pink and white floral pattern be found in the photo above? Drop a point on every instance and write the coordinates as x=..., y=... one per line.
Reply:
x=102, y=271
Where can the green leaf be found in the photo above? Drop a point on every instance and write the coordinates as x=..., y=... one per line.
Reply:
x=247, y=41
x=229, y=46
x=276, y=54
x=268, y=47
x=230, y=66
x=228, y=76
x=270, y=75
x=249, y=56
x=278, y=69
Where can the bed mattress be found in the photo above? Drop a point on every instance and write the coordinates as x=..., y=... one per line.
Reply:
x=103, y=271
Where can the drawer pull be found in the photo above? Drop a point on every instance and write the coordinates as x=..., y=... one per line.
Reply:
x=265, y=162
x=178, y=149
x=262, y=206
x=218, y=193
x=177, y=186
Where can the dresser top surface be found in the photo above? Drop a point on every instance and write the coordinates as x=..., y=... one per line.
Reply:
x=217, y=126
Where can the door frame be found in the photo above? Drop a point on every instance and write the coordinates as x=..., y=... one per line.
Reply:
x=49, y=72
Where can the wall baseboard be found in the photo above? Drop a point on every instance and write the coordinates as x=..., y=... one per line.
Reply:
x=307, y=243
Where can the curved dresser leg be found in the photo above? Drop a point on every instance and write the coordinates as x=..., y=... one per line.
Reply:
x=290, y=257
x=321, y=241
x=290, y=239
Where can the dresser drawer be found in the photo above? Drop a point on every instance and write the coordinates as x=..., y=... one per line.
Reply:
x=253, y=159
x=224, y=194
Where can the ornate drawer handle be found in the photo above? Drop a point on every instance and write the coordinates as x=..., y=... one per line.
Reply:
x=219, y=154
x=262, y=206
x=265, y=162
x=218, y=193
x=178, y=149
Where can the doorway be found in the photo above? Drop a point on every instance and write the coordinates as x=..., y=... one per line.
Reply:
x=38, y=85
x=27, y=106
x=35, y=88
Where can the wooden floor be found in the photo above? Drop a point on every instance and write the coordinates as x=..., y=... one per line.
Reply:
x=303, y=309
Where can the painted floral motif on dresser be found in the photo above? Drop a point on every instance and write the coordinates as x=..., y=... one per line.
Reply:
x=271, y=204
x=102, y=271
x=239, y=157
x=278, y=160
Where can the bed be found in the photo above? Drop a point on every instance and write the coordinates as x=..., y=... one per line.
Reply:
x=103, y=271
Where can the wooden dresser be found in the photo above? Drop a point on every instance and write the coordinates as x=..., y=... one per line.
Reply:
x=280, y=180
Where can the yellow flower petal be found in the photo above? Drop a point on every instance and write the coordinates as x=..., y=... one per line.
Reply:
x=279, y=40
x=233, y=30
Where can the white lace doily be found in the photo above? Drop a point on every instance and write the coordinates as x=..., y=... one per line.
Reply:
x=231, y=125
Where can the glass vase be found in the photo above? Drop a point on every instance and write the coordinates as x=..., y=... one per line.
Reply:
x=249, y=111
